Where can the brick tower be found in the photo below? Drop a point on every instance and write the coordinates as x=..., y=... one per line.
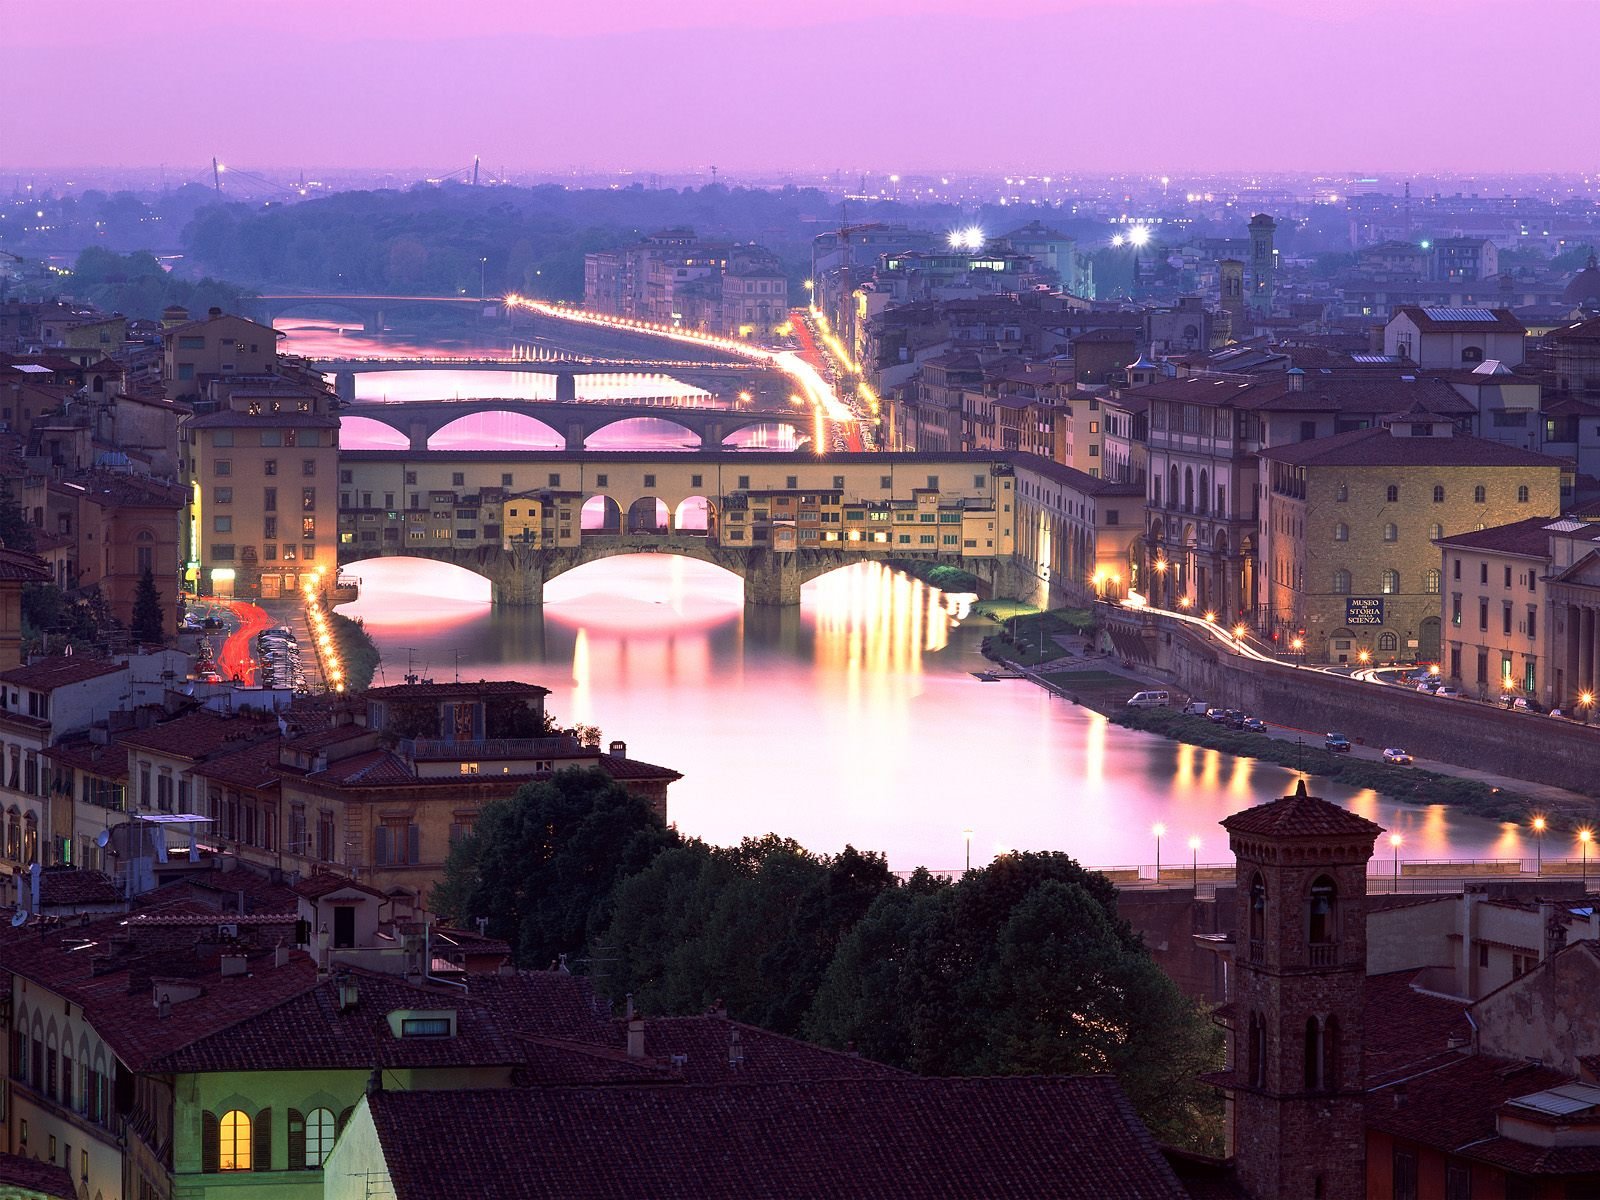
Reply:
x=1300, y=966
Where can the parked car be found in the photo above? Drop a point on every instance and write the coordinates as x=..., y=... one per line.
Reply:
x=1448, y=693
x=1397, y=756
x=1255, y=725
x=1337, y=742
x=1217, y=715
x=1527, y=704
x=1196, y=708
x=1149, y=699
x=1235, y=719
x=1428, y=685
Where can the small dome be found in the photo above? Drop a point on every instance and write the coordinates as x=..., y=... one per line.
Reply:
x=1585, y=286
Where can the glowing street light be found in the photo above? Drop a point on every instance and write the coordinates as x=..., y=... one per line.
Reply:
x=1239, y=632
x=1394, y=841
x=1585, y=836
x=1139, y=235
x=1538, y=845
x=1364, y=657
x=1160, y=832
x=1211, y=616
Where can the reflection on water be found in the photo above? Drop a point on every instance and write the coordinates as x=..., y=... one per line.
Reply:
x=855, y=718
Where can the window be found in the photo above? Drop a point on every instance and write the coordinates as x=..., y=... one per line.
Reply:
x=1458, y=1176
x=1431, y=581
x=308, y=499
x=1258, y=914
x=1522, y=493
x=1435, y=531
x=269, y=467
x=223, y=466
x=1479, y=494
x=308, y=466
x=1322, y=927
x=320, y=1132
x=1388, y=642
x=223, y=495
x=1405, y=1175
x=1391, y=582
x=1341, y=582
x=269, y=499
x=222, y=524
x=411, y=477
x=1392, y=494
x=1438, y=494
x=1483, y=615
x=425, y=1027
x=933, y=483
x=234, y=1146
x=1341, y=532
x=1391, y=532
x=1342, y=494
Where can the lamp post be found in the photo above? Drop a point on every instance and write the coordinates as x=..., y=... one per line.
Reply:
x=1538, y=845
x=1194, y=863
x=483, y=279
x=1394, y=841
x=1160, y=831
x=967, y=836
x=1298, y=646
x=1585, y=836
x=1585, y=704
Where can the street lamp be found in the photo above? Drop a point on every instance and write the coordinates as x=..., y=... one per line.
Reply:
x=1194, y=862
x=1297, y=645
x=483, y=279
x=967, y=835
x=1160, y=831
x=1585, y=703
x=1394, y=841
x=1538, y=845
x=1585, y=836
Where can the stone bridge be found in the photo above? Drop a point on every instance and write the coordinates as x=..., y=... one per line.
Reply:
x=576, y=422
x=771, y=577
x=371, y=310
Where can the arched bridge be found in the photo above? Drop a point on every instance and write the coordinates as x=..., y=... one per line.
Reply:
x=575, y=422
x=725, y=379
x=771, y=577
x=372, y=310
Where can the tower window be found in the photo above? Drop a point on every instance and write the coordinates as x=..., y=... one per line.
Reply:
x=1322, y=929
x=1258, y=917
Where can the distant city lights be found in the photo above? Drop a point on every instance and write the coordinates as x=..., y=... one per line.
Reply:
x=970, y=238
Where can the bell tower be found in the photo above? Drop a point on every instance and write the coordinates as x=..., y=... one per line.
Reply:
x=1300, y=967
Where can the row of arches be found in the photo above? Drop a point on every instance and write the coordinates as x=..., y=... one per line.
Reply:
x=1190, y=493
x=501, y=430
x=649, y=514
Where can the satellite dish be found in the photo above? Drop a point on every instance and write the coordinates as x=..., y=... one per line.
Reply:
x=102, y=838
x=19, y=918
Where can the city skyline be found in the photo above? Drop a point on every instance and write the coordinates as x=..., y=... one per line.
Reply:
x=1085, y=88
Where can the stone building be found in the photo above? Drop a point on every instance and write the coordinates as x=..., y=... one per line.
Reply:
x=1349, y=565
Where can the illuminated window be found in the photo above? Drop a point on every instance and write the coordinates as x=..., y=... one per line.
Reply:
x=1391, y=582
x=234, y=1131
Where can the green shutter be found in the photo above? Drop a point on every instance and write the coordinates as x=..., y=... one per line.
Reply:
x=210, y=1144
x=297, y=1140
x=261, y=1146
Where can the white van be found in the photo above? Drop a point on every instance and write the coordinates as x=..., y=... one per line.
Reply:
x=1150, y=700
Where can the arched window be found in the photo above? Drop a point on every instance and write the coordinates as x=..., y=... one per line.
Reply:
x=1188, y=489
x=1172, y=487
x=1341, y=582
x=1203, y=496
x=30, y=838
x=1343, y=493
x=234, y=1141
x=1322, y=912
x=320, y=1133
x=1222, y=499
x=1472, y=354
x=1388, y=642
x=1155, y=491
x=1436, y=531
x=1341, y=532
x=1522, y=493
x=1330, y=1054
x=1438, y=493
x=1391, y=532
x=1391, y=582
x=1431, y=580
x=1392, y=494
x=1479, y=494
x=1258, y=1051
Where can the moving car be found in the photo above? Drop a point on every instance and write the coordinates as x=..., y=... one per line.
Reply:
x=1428, y=685
x=1397, y=756
x=1337, y=742
x=1448, y=693
x=1255, y=724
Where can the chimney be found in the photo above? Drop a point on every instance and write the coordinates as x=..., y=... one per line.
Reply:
x=280, y=956
x=213, y=312
x=1400, y=1096
x=735, y=1050
x=636, y=1037
x=232, y=964
x=1297, y=379
x=619, y=749
x=349, y=994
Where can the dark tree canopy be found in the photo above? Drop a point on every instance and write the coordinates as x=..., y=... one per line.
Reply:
x=149, y=622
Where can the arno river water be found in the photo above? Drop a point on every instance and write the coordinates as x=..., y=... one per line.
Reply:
x=854, y=719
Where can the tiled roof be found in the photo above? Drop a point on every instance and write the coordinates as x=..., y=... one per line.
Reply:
x=707, y=1043
x=1300, y=815
x=1452, y=1106
x=19, y=565
x=60, y=670
x=890, y=1138
x=1405, y=1030
x=82, y=754
x=375, y=768
x=326, y=883
x=1078, y=481
x=239, y=420
x=34, y=1177
x=1461, y=320
x=619, y=768
x=72, y=885
x=1377, y=447
x=483, y=689
x=252, y=767
x=199, y=735
x=307, y=1031
x=1527, y=538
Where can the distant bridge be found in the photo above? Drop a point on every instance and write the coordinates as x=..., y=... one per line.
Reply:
x=372, y=310
x=718, y=378
x=576, y=421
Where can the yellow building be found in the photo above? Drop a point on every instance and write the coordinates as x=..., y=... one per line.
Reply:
x=1348, y=525
x=219, y=347
x=264, y=481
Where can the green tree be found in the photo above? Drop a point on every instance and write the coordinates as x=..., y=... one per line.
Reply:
x=149, y=622
x=542, y=865
x=15, y=531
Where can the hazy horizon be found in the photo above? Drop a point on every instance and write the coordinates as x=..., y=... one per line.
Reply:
x=1077, y=87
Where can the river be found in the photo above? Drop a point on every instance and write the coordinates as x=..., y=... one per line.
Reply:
x=855, y=718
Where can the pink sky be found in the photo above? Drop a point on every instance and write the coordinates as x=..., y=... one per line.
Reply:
x=1044, y=85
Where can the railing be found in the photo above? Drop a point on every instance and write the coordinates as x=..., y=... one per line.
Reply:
x=1323, y=954
x=486, y=748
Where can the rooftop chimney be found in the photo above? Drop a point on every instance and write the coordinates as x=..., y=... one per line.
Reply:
x=619, y=749
x=636, y=1038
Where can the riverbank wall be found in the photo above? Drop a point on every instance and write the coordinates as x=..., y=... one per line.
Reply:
x=1520, y=745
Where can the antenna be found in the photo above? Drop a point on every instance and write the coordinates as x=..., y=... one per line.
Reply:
x=216, y=175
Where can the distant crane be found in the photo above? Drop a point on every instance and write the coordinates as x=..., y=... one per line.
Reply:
x=216, y=175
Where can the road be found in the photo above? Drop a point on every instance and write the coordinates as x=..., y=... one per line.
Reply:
x=237, y=660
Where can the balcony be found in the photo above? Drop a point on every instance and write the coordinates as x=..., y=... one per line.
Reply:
x=1324, y=954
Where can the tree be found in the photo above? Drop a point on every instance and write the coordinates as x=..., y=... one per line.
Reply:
x=541, y=865
x=15, y=531
x=149, y=622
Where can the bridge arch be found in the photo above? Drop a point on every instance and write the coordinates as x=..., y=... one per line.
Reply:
x=369, y=433
x=496, y=429
x=649, y=514
x=695, y=514
x=620, y=429
x=600, y=514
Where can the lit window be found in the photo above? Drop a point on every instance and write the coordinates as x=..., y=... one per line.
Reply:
x=235, y=1142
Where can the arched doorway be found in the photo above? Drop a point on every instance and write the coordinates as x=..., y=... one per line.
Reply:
x=601, y=514
x=695, y=515
x=649, y=515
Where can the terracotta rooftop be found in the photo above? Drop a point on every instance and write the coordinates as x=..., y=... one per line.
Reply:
x=705, y=1044
x=1526, y=538
x=1300, y=815
x=64, y=886
x=20, y=566
x=1377, y=447
x=61, y=670
x=199, y=735
x=315, y=887
x=1431, y=319
x=253, y=767
x=890, y=1138
x=28, y=1177
x=483, y=689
